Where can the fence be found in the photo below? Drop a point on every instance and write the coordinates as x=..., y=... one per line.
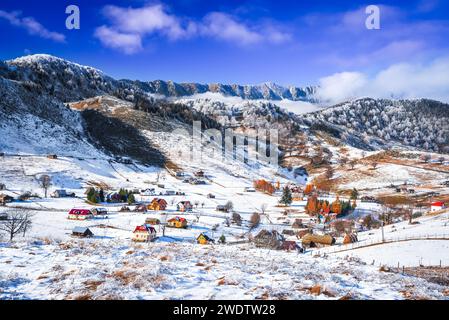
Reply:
x=374, y=242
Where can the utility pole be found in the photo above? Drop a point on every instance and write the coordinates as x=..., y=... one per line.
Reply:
x=383, y=237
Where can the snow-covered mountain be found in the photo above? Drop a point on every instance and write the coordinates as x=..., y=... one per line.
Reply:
x=267, y=91
x=36, y=89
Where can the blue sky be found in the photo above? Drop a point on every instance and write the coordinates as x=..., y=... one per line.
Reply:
x=287, y=42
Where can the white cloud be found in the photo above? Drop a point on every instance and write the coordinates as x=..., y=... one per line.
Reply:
x=31, y=25
x=137, y=23
x=128, y=43
x=401, y=81
x=147, y=20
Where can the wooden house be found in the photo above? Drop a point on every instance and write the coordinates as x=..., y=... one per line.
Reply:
x=82, y=232
x=199, y=174
x=144, y=233
x=152, y=221
x=204, y=239
x=80, y=214
x=158, y=204
x=184, y=206
x=52, y=156
x=99, y=212
x=177, y=222
x=290, y=246
x=140, y=208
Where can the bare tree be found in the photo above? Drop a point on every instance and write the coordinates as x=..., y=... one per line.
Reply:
x=45, y=183
x=352, y=164
x=374, y=165
x=18, y=221
x=254, y=221
x=229, y=206
x=441, y=160
x=426, y=158
x=237, y=219
x=263, y=208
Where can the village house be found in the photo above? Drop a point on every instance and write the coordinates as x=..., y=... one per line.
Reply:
x=82, y=232
x=52, y=156
x=184, y=206
x=199, y=174
x=204, y=239
x=61, y=193
x=177, y=222
x=437, y=206
x=99, y=212
x=80, y=214
x=148, y=192
x=152, y=221
x=144, y=233
x=157, y=204
x=140, y=208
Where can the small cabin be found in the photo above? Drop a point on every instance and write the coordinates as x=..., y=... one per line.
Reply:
x=152, y=221
x=148, y=192
x=80, y=214
x=211, y=196
x=52, y=156
x=222, y=208
x=82, y=232
x=140, y=208
x=437, y=206
x=199, y=174
x=99, y=212
x=184, y=206
x=144, y=233
x=59, y=194
x=204, y=239
x=177, y=222
x=291, y=246
x=157, y=204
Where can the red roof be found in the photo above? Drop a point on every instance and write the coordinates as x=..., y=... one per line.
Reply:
x=177, y=219
x=438, y=204
x=80, y=212
x=144, y=228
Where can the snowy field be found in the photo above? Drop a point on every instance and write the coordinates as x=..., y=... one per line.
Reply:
x=49, y=263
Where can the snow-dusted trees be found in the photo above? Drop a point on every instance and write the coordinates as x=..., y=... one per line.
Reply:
x=18, y=222
x=45, y=183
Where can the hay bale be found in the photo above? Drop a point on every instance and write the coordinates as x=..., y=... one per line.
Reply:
x=311, y=239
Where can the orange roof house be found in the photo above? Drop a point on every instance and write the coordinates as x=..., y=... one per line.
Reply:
x=177, y=222
x=157, y=204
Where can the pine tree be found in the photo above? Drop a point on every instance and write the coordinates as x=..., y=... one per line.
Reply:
x=286, y=196
x=101, y=195
x=92, y=195
x=131, y=199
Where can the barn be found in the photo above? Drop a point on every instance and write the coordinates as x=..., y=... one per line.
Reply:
x=82, y=232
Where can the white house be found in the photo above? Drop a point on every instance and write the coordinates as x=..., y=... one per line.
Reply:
x=437, y=206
